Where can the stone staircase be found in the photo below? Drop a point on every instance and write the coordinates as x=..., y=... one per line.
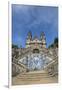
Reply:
x=34, y=77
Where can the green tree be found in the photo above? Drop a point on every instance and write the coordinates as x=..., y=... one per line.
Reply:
x=54, y=44
x=14, y=46
x=15, y=51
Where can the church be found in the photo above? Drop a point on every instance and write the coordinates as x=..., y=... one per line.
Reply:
x=35, y=62
x=36, y=43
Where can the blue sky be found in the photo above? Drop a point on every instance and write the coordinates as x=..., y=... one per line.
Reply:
x=36, y=19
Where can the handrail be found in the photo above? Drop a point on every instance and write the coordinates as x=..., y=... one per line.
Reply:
x=20, y=65
x=50, y=63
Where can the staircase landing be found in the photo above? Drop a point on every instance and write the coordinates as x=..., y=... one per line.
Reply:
x=34, y=77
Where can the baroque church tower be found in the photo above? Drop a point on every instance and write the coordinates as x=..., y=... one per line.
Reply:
x=29, y=39
x=43, y=40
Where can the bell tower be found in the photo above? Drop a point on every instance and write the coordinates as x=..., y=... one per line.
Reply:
x=43, y=40
x=28, y=39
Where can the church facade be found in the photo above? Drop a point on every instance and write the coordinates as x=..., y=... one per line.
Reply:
x=34, y=60
x=36, y=42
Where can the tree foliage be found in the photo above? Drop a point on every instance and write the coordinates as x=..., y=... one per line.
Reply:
x=54, y=44
x=14, y=46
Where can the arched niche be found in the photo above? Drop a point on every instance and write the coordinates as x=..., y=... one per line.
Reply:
x=36, y=50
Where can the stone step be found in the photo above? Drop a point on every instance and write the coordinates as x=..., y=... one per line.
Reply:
x=25, y=78
x=28, y=75
x=33, y=75
x=33, y=78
